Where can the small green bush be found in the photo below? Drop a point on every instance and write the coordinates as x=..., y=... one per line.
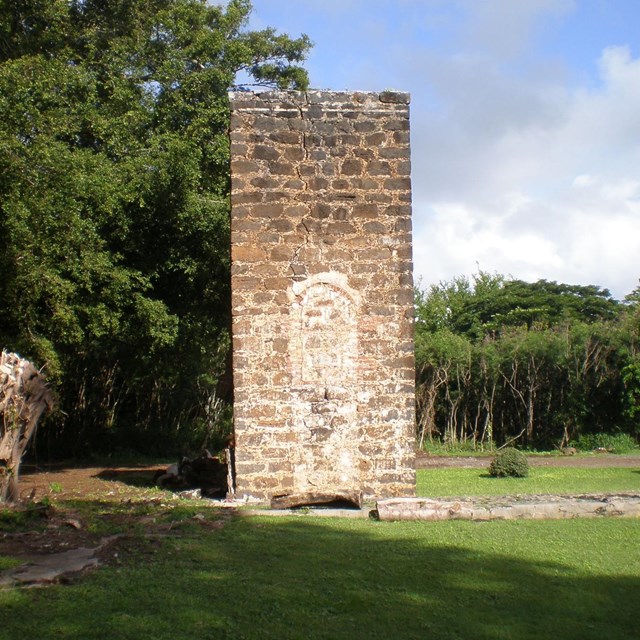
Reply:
x=613, y=442
x=509, y=462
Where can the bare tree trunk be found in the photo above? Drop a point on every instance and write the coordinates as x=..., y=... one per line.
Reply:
x=426, y=396
x=464, y=384
x=513, y=383
x=24, y=397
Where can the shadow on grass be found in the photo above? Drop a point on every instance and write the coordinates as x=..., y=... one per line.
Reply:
x=299, y=578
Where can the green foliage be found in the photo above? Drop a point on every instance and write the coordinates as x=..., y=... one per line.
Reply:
x=12, y=519
x=633, y=298
x=509, y=462
x=55, y=487
x=114, y=207
x=488, y=303
x=631, y=379
x=29, y=516
x=556, y=359
x=611, y=442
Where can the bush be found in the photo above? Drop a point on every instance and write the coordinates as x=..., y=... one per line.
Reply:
x=509, y=462
x=615, y=443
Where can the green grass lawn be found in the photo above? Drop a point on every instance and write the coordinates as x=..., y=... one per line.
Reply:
x=559, y=480
x=304, y=577
x=309, y=578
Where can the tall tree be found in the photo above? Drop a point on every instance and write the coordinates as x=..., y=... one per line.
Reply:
x=487, y=302
x=538, y=363
x=114, y=184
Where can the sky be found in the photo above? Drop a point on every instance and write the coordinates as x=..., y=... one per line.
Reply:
x=525, y=126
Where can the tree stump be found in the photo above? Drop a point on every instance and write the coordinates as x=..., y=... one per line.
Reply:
x=24, y=397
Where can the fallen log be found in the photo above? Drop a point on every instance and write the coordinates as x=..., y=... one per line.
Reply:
x=24, y=398
x=346, y=499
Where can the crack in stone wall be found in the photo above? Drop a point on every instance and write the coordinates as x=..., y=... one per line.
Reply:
x=322, y=293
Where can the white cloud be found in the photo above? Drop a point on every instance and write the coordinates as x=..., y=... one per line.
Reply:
x=506, y=27
x=523, y=162
x=550, y=190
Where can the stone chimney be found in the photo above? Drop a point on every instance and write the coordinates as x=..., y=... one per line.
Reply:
x=322, y=292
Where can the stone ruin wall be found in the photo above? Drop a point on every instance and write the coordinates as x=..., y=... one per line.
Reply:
x=322, y=293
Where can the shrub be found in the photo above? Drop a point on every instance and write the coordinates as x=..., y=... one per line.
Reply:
x=509, y=462
x=615, y=443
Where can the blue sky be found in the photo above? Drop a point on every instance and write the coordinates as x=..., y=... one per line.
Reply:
x=525, y=118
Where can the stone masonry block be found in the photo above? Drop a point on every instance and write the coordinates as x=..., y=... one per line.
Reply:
x=322, y=293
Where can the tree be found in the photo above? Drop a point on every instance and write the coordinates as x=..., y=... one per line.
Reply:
x=631, y=370
x=633, y=298
x=114, y=185
x=501, y=360
x=443, y=365
x=24, y=397
x=488, y=302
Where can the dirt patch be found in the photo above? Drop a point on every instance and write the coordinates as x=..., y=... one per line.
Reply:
x=112, y=513
x=104, y=483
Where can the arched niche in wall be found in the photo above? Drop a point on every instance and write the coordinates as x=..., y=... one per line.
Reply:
x=323, y=346
x=323, y=352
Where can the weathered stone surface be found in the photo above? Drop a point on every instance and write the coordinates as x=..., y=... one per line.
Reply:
x=509, y=508
x=322, y=294
x=353, y=499
x=46, y=568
